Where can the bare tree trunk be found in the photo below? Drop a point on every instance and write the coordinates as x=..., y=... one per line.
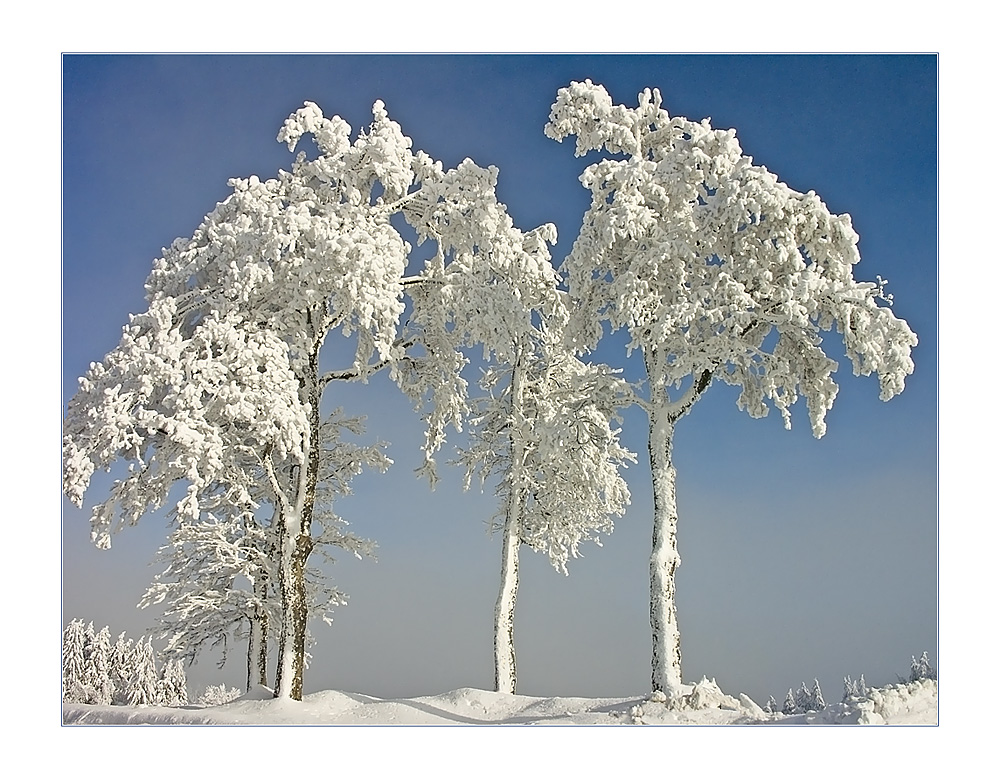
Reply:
x=505, y=677
x=664, y=559
x=257, y=651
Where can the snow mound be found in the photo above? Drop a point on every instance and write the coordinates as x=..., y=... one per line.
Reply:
x=257, y=693
x=702, y=703
x=909, y=703
x=707, y=695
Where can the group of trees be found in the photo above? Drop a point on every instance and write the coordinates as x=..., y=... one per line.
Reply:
x=921, y=668
x=715, y=269
x=806, y=699
x=121, y=674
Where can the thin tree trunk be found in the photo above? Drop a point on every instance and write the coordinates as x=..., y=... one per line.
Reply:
x=664, y=559
x=257, y=651
x=505, y=677
x=503, y=626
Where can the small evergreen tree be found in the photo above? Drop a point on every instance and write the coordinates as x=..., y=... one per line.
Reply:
x=120, y=669
x=854, y=688
x=143, y=687
x=771, y=707
x=74, y=660
x=804, y=699
x=921, y=668
x=96, y=670
x=817, y=703
x=173, y=684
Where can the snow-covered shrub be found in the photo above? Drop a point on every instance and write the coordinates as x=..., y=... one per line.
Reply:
x=921, y=668
x=217, y=695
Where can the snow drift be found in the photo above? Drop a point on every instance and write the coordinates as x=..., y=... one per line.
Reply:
x=911, y=703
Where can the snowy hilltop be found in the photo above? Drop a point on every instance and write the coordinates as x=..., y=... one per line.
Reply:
x=909, y=703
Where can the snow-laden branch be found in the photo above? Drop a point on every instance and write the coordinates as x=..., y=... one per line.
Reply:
x=352, y=374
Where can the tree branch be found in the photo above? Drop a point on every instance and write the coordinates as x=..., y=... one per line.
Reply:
x=279, y=494
x=697, y=388
x=352, y=373
x=411, y=281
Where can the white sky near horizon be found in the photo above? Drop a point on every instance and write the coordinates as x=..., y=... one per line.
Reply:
x=954, y=481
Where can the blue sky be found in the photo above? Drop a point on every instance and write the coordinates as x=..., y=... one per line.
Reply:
x=801, y=558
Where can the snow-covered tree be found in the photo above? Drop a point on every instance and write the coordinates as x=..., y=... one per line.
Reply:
x=817, y=703
x=86, y=658
x=804, y=699
x=718, y=271
x=143, y=684
x=173, y=684
x=854, y=688
x=197, y=405
x=120, y=669
x=492, y=287
x=220, y=576
x=921, y=668
x=217, y=584
x=218, y=385
x=546, y=431
x=74, y=662
x=97, y=671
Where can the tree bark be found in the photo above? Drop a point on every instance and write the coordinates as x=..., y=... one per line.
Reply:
x=505, y=677
x=257, y=651
x=295, y=549
x=664, y=559
x=503, y=629
x=295, y=542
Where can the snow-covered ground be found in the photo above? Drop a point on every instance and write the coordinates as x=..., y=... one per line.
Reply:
x=913, y=703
